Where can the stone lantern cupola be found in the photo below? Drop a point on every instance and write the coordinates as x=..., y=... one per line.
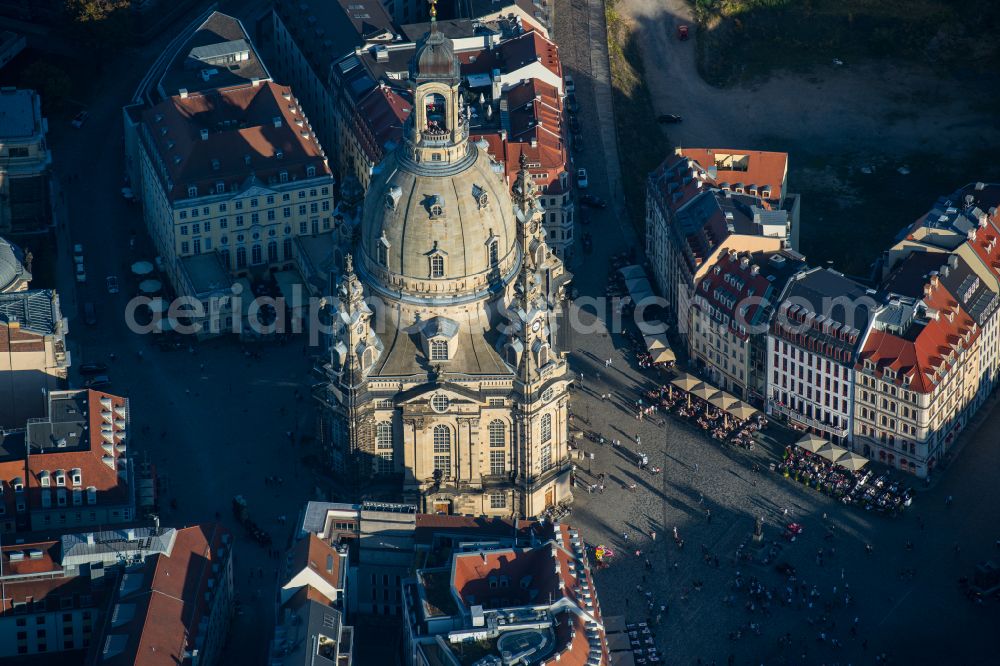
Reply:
x=437, y=131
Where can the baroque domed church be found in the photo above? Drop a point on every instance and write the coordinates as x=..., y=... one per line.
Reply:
x=442, y=369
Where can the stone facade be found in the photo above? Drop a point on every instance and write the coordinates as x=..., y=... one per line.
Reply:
x=442, y=371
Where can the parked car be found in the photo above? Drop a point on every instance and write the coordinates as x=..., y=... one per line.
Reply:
x=571, y=103
x=578, y=145
x=581, y=179
x=89, y=314
x=682, y=32
x=668, y=119
x=593, y=202
x=78, y=253
x=574, y=125
x=81, y=274
x=79, y=119
x=93, y=368
x=98, y=382
x=112, y=284
x=570, y=85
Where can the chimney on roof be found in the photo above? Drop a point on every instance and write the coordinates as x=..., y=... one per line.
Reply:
x=255, y=82
x=90, y=538
x=534, y=143
x=183, y=92
x=204, y=135
x=277, y=121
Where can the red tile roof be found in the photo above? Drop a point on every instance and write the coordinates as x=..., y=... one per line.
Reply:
x=240, y=125
x=314, y=554
x=930, y=349
x=379, y=119
x=177, y=596
x=765, y=170
x=529, y=47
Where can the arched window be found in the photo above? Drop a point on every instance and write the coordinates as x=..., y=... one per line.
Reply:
x=383, y=447
x=498, y=433
x=494, y=253
x=546, y=427
x=439, y=350
x=442, y=451
x=256, y=256
x=434, y=109
x=286, y=248
x=272, y=251
x=368, y=358
x=383, y=254
x=437, y=266
x=226, y=260
x=241, y=257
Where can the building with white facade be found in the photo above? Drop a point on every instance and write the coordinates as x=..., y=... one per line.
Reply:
x=25, y=163
x=812, y=348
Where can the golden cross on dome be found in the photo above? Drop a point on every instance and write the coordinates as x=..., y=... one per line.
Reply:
x=434, y=11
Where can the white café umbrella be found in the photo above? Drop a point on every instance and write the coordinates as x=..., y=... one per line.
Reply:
x=142, y=268
x=150, y=286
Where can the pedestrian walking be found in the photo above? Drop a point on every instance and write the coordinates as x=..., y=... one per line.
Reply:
x=708, y=515
x=652, y=535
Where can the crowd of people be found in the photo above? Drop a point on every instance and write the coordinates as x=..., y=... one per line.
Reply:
x=861, y=488
x=714, y=421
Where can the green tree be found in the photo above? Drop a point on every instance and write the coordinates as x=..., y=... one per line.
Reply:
x=99, y=26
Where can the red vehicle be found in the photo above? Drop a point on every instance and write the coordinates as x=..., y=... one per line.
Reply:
x=682, y=32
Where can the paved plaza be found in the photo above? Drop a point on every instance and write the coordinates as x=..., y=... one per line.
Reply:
x=844, y=606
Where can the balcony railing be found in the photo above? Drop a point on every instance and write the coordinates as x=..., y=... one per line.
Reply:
x=790, y=413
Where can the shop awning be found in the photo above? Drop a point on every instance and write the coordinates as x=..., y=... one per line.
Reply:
x=632, y=272
x=656, y=342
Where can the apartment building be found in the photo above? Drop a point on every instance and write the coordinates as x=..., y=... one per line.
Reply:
x=230, y=175
x=175, y=607
x=919, y=376
x=25, y=165
x=492, y=599
x=813, y=344
x=700, y=201
x=58, y=590
x=732, y=307
x=69, y=469
x=33, y=357
x=310, y=37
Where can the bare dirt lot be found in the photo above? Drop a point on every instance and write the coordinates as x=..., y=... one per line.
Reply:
x=832, y=120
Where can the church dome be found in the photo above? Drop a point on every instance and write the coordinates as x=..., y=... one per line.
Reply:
x=435, y=59
x=438, y=231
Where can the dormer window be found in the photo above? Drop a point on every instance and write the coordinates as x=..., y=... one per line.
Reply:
x=192, y=192
x=60, y=478
x=44, y=479
x=283, y=176
x=77, y=477
x=310, y=172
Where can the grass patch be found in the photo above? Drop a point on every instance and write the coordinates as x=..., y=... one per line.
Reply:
x=641, y=144
x=746, y=40
x=849, y=217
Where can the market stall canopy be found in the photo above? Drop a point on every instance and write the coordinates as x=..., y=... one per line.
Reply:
x=703, y=391
x=811, y=443
x=663, y=356
x=851, y=461
x=632, y=272
x=142, y=268
x=686, y=382
x=654, y=342
x=150, y=286
x=831, y=451
x=742, y=410
x=722, y=400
